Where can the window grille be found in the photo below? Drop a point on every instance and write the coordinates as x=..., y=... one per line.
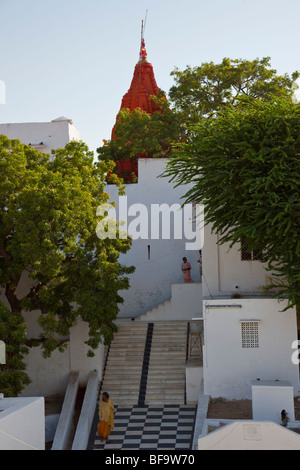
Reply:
x=195, y=346
x=250, y=334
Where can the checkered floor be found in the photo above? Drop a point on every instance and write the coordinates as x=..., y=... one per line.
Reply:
x=148, y=428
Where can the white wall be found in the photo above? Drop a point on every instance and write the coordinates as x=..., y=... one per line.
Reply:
x=269, y=398
x=193, y=382
x=228, y=368
x=151, y=282
x=50, y=376
x=224, y=273
x=185, y=304
x=53, y=135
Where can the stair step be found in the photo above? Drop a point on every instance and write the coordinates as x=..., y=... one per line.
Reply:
x=155, y=363
x=125, y=387
x=121, y=355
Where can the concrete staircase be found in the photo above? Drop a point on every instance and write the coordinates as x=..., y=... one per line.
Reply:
x=166, y=374
x=146, y=364
x=123, y=371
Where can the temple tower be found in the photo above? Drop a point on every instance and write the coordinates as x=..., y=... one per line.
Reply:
x=142, y=87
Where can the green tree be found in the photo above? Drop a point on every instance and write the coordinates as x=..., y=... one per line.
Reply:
x=202, y=91
x=139, y=133
x=245, y=167
x=13, y=377
x=198, y=93
x=48, y=234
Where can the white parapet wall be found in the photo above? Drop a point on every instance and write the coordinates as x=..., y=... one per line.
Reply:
x=22, y=424
x=269, y=398
x=185, y=304
x=64, y=427
x=85, y=422
x=193, y=382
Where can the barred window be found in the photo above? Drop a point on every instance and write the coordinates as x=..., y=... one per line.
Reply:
x=250, y=334
x=247, y=254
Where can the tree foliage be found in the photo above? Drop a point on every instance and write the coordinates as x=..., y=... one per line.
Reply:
x=202, y=91
x=48, y=234
x=138, y=133
x=245, y=167
x=198, y=93
x=13, y=377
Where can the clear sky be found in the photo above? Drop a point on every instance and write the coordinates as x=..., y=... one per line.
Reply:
x=76, y=58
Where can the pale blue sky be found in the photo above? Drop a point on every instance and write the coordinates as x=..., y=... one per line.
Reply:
x=75, y=58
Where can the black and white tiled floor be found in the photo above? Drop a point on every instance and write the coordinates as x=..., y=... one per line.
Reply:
x=168, y=427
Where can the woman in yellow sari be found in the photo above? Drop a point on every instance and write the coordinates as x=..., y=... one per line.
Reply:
x=106, y=415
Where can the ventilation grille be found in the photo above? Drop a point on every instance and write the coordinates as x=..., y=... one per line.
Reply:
x=250, y=334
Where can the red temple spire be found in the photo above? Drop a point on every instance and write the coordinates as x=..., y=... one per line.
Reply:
x=143, y=86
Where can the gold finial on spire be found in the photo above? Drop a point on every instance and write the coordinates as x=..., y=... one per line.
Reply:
x=143, y=52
